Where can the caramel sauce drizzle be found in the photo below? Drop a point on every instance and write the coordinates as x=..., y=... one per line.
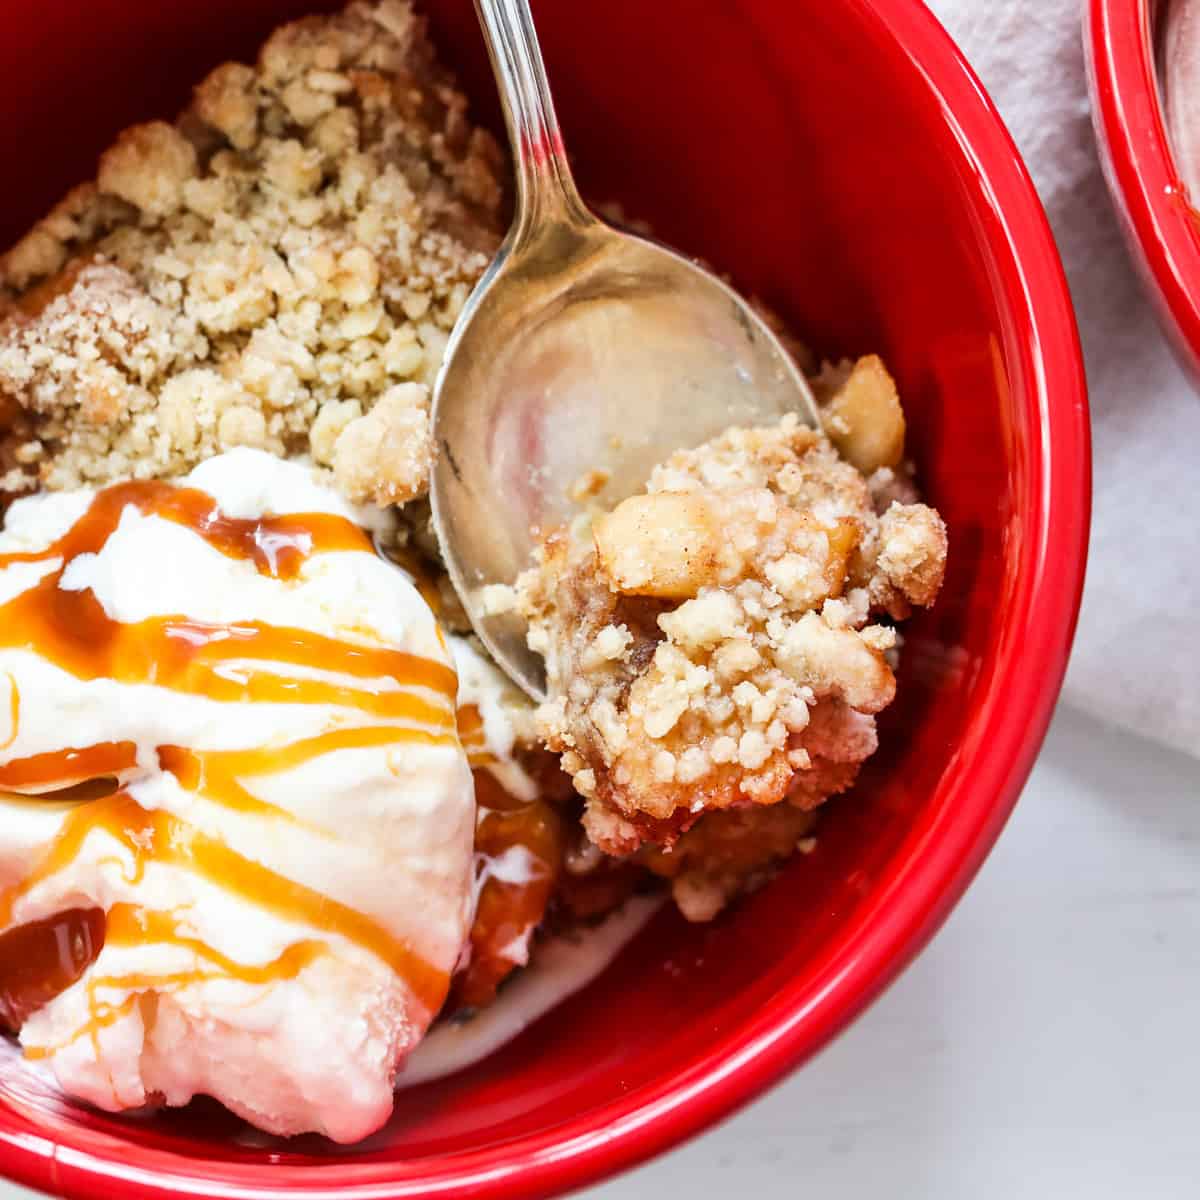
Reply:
x=218, y=774
x=101, y=1015
x=473, y=737
x=159, y=837
x=507, y=911
x=409, y=561
x=277, y=546
x=221, y=662
x=200, y=659
x=44, y=958
x=129, y=925
x=14, y=713
x=61, y=768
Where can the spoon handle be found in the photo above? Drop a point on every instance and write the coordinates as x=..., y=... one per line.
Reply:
x=546, y=192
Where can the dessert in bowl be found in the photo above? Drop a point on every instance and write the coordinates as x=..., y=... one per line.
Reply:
x=179, y=241
x=243, y=715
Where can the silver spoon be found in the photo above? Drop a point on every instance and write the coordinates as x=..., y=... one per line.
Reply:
x=583, y=357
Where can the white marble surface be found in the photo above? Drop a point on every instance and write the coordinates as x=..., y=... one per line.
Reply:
x=1044, y=1045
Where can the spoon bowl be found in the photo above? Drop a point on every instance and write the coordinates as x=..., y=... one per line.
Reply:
x=584, y=356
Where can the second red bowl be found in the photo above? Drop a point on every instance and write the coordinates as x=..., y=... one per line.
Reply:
x=1158, y=218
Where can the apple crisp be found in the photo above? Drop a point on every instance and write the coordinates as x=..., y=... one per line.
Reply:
x=281, y=268
x=278, y=268
x=720, y=643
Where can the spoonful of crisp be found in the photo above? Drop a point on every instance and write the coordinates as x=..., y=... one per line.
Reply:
x=584, y=357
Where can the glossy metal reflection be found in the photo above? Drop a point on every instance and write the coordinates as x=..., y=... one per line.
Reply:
x=582, y=350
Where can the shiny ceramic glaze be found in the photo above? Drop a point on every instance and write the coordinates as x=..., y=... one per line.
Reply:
x=1160, y=224
x=841, y=161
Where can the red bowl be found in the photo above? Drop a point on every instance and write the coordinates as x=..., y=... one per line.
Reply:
x=842, y=162
x=1159, y=222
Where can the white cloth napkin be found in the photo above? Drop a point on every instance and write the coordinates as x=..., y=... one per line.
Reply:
x=1137, y=653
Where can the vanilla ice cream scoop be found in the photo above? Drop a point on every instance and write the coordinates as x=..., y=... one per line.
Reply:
x=233, y=787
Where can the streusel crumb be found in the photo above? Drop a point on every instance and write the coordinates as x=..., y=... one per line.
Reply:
x=726, y=853
x=714, y=645
x=279, y=268
x=730, y=851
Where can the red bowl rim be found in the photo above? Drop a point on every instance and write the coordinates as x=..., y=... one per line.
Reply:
x=1151, y=199
x=1014, y=712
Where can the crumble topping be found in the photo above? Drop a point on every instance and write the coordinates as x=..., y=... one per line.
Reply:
x=733, y=850
x=726, y=853
x=714, y=644
x=279, y=268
